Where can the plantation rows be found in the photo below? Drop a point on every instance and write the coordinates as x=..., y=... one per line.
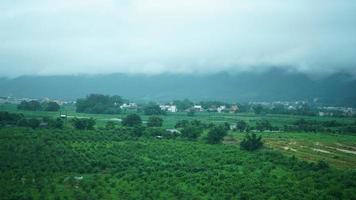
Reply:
x=111, y=164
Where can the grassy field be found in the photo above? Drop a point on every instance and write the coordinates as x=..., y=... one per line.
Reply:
x=338, y=149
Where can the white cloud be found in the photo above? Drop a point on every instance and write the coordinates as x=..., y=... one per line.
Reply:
x=157, y=36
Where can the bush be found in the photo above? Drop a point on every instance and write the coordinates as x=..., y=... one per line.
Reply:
x=181, y=124
x=30, y=105
x=84, y=123
x=241, y=125
x=33, y=123
x=10, y=118
x=191, y=132
x=51, y=106
x=251, y=142
x=153, y=109
x=216, y=134
x=99, y=104
x=263, y=125
x=132, y=120
x=154, y=121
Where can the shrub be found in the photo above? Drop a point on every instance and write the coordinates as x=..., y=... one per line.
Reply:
x=216, y=134
x=191, y=132
x=153, y=109
x=251, y=142
x=84, y=123
x=154, y=121
x=132, y=120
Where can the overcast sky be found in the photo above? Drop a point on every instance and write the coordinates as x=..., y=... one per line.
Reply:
x=48, y=37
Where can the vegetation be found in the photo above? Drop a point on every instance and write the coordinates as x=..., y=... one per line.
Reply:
x=251, y=142
x=154, y=121
x=102, y=164
x=37, y=106
x=153, y=109
x=99, y=104
x=93, y=156
x=216, y=134
x=241, y=125
x=84, y=123
x=132, y=120
x=191, y=132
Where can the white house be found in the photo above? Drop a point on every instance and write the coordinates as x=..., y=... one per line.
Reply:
x=198, y=108
x=169, y=108
x=221, y=108
x=128, y=106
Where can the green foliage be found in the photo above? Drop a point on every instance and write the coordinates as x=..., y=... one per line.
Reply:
x=216, y=134
x=191, y=113
x=30, y=105
x=84, y=123
x=154, y=121
x=191, y=132
x=110, y=125
x=9, y=118
x=54, y=123
x=132, y=120
x=257, y=109
x=181, y=124
x=137, y=130
x=251, y=142
x=154, y=131
x=263, y=125
x=33, y=123
x=108, y=164
x=153, y=109
x=241, y=125
x=51, y=106
x=183, y=105
x=99, y=104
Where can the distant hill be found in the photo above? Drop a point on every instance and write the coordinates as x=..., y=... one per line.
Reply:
x=273, y=85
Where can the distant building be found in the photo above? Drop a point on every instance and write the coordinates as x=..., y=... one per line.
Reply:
x=128, y=106
x=198, y=108
x=221, y=108
x=169, y=108
x=234, y=109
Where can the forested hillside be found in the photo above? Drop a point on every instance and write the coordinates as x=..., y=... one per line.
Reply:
x=273, y=85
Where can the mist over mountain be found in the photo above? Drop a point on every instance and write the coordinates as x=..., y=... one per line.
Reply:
x=272, y=85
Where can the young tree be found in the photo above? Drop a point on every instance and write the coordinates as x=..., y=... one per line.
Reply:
x=216, y=134
x=154, y=121
x=31, y=105
x=153, y=109
x=84, y=123
x=257, y=109
x=51, y=106
x=181, y=123
x=132, y=120
x=33, y=123
x=191, y=132
x=241, y=125
x=263, y=125
x=57, y=123
x=251, y=142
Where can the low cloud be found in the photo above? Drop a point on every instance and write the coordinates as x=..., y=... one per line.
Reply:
x=172, y=36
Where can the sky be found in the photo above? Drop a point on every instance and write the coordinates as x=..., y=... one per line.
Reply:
x=46, y=37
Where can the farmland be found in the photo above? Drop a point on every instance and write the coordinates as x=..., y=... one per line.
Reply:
x=110, y=164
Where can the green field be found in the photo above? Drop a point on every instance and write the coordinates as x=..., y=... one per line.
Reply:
x=69, y=164
x=338, y=149
x=109, y=164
